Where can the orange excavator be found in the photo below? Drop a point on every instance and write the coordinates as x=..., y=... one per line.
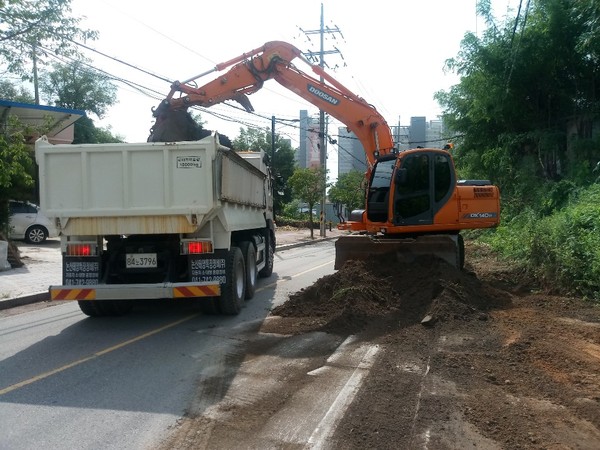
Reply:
x=414, y=203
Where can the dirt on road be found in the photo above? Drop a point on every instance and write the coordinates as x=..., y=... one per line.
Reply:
x=480, y=358
x=496, y=363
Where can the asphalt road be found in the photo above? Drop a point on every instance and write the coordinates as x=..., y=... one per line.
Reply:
x=69, y=381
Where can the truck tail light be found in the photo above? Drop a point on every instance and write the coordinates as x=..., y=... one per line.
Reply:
x=196, y=247
x=81, y=249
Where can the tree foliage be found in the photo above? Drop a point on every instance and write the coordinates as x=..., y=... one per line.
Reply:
x=527, y=92
x=282, y=163
x=308, y=185
x=75, y=86
x=16, y=165
x=88, y=133
x=43, y=25
x=349, y=190
x=527, y=110
x=15, y=93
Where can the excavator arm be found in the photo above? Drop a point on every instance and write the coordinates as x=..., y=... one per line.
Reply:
x=247, y=73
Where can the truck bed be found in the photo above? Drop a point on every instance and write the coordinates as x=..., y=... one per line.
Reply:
x=148, y=188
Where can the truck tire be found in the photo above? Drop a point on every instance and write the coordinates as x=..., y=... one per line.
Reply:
x=116, y=307
x=95, y=308
x=90, y=308
x=270, y=250
x=233, y=291
x=209, y=305
x=249, y=253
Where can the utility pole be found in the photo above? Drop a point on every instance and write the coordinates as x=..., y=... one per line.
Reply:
x=322, y=141
x=273, y=157
x=36, y=87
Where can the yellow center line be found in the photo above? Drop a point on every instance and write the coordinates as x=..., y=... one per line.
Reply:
x=39, y=377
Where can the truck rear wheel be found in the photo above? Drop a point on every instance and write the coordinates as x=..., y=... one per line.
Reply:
x=269, y=256
x=249, y=253
x=209, y=305
x=116, y=307
x=233, y=291
x=90, y=308
x=95, y=308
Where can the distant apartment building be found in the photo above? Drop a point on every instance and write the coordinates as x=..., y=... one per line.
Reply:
x=351, y=155
x=420, y=133
x=308, y=154
x=400, y=134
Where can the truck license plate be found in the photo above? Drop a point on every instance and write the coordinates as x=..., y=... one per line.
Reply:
x=140, y=260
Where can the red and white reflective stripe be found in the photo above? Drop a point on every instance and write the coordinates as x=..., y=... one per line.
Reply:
x=72, y=294
x=213, y=290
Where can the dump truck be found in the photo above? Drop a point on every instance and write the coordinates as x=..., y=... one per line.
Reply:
x=158, y=220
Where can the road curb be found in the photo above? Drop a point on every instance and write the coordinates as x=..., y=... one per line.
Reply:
x=301, y=243
x=25, y=300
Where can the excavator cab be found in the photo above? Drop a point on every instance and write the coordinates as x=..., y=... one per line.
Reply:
x=415, y=206
x=420, y=184
x=423, y=184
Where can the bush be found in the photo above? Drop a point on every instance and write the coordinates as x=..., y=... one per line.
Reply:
x=561, y=249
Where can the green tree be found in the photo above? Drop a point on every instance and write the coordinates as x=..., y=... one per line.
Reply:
x=9, y=91
x=308, y=185
x=43, y=24
x=75, y=86
x=527, y=109
x=527, y=93
x=283, y=163
x=349, y=190
x=88, y=133
x=16, y=166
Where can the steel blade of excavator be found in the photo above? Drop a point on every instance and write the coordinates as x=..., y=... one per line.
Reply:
x=362, y=247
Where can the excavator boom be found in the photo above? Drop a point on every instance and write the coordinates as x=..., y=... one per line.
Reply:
x=247, y=73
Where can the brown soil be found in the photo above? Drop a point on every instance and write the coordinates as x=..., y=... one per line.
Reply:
x=507, y=366
x=496, y=364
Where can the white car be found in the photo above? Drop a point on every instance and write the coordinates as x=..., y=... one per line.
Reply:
x=26, y=222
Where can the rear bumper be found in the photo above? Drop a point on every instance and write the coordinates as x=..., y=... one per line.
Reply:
x=135, y=291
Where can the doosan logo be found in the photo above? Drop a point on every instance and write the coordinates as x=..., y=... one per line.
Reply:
x=323, y=95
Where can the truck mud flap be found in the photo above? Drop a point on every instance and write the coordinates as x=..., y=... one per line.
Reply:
x=361, y=247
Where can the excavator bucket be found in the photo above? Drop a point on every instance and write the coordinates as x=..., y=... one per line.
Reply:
x=362, y=247
x=172, y=126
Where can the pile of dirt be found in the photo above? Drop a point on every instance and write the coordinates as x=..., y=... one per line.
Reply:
x=179, y=125
x=380, y=293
